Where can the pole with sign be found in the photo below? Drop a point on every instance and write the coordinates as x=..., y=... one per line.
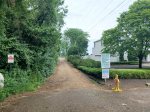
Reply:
x=10, y=60
x=105, y=65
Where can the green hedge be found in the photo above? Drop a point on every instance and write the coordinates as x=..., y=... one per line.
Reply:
x=78, y=61
x=125, y=63
x=123, y=73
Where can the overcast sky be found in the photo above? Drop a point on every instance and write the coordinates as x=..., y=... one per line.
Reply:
x=94, y=16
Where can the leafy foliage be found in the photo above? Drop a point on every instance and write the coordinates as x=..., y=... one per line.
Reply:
x=29, y=29
x=77, y=40
x=133, y=32
x=78, y=61
x=112, y=38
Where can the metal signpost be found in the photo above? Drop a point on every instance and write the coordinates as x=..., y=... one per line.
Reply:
x=10, y=61
x=105, y=65
x=105, y=73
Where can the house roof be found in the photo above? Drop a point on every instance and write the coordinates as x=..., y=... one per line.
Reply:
x=97, y=40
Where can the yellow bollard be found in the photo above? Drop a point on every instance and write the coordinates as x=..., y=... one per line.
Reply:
x=117, y=84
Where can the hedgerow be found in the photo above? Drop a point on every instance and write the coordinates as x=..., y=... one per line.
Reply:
x=122, y=73
x=79, y=61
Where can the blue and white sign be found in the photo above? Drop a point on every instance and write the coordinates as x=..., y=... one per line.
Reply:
x=105, y=60
x=105, y=73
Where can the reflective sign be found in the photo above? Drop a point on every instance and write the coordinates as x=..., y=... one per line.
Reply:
x=10, y=58
x=105, y=73
x=105, y=60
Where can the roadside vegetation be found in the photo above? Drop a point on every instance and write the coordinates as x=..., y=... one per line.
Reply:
x=93, y=69
x=125, y=63
x=74, y=42
x=122, y=73
x=31, y=30
x=78, y=61
x=132, y=34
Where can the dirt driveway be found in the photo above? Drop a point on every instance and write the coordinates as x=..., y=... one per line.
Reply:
x=69, y=90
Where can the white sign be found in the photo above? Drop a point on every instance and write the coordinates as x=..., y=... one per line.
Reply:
x=105, y=60
x=105, y=73
x=10, y=58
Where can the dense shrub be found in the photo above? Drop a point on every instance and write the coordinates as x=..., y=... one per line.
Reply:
x=95, y=72
x=34, y=40
x=19, y=81
x=78, y=61
x=125, y=63
x=123, y=73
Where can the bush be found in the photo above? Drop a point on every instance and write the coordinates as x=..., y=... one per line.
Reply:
x=75, y=60
x=122, y=73
x=95, y=72
x=78, y=61
x=19, y=81
x=125, y=63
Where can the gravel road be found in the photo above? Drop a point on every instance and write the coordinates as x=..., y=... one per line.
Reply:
x=69, y=90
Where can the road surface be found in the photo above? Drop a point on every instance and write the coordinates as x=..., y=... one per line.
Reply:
x=69, y=90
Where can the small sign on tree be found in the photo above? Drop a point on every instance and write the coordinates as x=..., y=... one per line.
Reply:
x=10, y=58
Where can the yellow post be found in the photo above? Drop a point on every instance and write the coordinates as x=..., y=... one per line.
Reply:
x=117, y=84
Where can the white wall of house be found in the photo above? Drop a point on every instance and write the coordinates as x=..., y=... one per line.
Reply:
x=96, y=52
x=148, y=58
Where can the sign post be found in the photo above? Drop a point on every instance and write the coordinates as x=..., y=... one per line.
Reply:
x=10, y=60
x=105, y=65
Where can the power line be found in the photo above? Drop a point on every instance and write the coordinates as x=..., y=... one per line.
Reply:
x=88, y=10
x=101, y=11
x=107, y=14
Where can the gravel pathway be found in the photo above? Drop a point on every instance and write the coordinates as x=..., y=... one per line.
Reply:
x=69, y=90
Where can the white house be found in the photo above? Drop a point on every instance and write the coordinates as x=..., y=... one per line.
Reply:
x=148, y=58
x=96, y=53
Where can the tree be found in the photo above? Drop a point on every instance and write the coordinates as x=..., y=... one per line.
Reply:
x=65, y=43
x=134, y=24
x=114, y=42
x=30, y=29
x=78, y=41
x=132, y=33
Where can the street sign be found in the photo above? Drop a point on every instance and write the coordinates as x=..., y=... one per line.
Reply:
x=105, y=73
x=10, y=58
x=105, y=60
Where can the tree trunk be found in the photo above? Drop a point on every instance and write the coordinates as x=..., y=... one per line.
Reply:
x=140, y=61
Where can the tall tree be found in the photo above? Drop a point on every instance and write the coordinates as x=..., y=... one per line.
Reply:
x=132, y=33
x=114, y=42
x=134, y=24
x=30, y=29
x=78, y=41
